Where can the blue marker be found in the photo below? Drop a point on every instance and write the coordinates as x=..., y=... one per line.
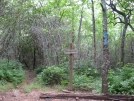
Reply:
x=105, y=36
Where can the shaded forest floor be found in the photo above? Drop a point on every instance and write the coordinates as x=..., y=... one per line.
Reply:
x=23, y=93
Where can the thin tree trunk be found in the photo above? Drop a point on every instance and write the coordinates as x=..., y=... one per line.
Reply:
x=94, y=38
x=116, y=53
x=106, y=61
x=72, y=25
x=132, y=51
x=79, y=33
x=123, y=43
x=34, y=58
x=125, y=20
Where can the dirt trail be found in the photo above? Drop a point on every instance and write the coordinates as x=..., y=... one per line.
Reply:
x=18, y=93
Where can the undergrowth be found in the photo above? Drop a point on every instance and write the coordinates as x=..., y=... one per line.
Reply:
x=51, y=75
x=6, y=87
x=33, y=85
x=11, y=71
x=83, y=77
x=121, y=80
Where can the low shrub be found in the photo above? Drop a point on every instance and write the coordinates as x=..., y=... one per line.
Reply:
x=86, y=67
x=82, y=82
x=39, y=69
x=51, y=75
x=11, y=71
x=121, y=80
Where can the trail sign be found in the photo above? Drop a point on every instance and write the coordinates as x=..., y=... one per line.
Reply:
x=71, y=52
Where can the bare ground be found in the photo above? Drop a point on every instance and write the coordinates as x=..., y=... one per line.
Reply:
x=18, y=94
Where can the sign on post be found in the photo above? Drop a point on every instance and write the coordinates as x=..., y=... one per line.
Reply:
x=71, y=52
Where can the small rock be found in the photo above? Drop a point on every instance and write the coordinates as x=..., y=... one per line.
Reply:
x=15, y=93
x=1, y=98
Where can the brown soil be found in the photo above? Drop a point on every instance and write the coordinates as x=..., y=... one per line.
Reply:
x=18, y=94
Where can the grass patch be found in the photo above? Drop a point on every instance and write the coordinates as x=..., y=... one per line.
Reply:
x=59, y=87
x=31, y=86
x=97, y=86
x=34, y=85
x=6, y=87
x=27, y=89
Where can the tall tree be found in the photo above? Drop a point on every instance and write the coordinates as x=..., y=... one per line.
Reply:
x=106, y=60
x=124, y=11
x=94, y=37
x=79, y=32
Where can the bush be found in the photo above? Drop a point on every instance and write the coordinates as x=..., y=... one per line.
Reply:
x=52, y=75
x=11, y=71
x=86, y=67
x=39, y=69
x=121, y=80
x=82, y=82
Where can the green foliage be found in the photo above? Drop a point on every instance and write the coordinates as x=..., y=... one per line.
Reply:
x=51, y=75
x=39, y=69
x=97, y=85
x=121, y=80
x=85, y=67
x=59, y=87
x=32, y=85
x=82, y=82
x=65, y=66
x=4, y=87
x=11, y=71
x=85, y=74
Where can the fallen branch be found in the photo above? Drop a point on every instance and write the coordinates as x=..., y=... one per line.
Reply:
x=87, y=96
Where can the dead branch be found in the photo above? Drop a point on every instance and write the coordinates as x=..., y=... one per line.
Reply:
x=87, y=96
x=131, y=27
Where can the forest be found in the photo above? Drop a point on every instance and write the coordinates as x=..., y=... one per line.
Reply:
x=38, y=35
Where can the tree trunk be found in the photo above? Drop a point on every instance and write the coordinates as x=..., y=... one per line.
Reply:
x=132, y=51
x=125, y=20
x=94, y=28
x=34, y=58
x=84, y=97
x=106, y=61
x=79, y=33
x=123, y=43
x=73, y=25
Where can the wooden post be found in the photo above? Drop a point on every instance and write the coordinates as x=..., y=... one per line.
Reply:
x=71, y=52
x=71, y=69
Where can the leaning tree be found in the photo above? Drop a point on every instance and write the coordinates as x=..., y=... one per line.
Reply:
x=123, y=14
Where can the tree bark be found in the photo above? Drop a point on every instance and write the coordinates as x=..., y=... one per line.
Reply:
x=88, y=96
x=106, y=61
x=94, y=28
x=79, y=34
x=73, y=25
x=34, y=58
x=123, y=43
x=132, y=51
